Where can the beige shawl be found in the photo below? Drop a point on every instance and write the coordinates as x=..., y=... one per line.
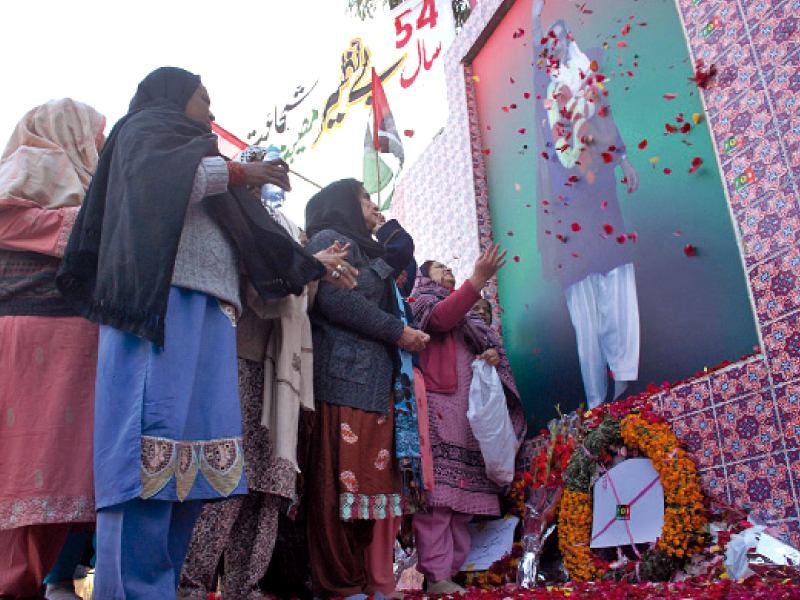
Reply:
x=282, y=340
x=52, y=154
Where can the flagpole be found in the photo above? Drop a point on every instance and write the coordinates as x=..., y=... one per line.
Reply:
x=378, y=171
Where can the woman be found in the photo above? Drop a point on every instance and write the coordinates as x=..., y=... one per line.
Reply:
x=483, y=308
x=462, y=488
x=353, y=480
x=47, y=354
x=581, y=233
x=154, y=258
x=273, y=345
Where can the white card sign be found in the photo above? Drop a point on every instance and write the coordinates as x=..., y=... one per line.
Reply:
x=490, y=541
x=628, y=505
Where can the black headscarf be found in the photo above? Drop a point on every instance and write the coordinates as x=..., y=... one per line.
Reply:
x=167, y=85
x=118, y=264
x=338, y=206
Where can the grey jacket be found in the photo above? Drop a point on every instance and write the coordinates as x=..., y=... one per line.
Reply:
x=354, y=340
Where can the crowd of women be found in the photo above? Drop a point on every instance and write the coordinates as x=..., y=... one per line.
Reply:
x=245, y=382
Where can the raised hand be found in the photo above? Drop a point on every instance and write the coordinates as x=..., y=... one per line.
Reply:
x=488, y=263
x=381, y=222
x=275, y=172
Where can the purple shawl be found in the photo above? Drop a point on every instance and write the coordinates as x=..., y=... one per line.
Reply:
x=426, y=296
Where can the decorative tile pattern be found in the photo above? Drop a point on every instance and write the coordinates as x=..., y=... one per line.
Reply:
x=776, y=286
x=744, y=434
x=698, y=433
x=738, y=381
x=782, y=343
x=687, y=399
x=748, y=427
x=770, y=226
x=787, y=405
x=763, y=483
x=714, y=481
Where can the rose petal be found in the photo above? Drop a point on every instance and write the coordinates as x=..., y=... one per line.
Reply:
x=516, y=259
x=697, y=117
x=607, y=157
x=670, y=96
x=575, y=227
x=643, y=144
x=667, y=171
x=526, y=95
x=608, y=228
x=686, y=128
x=408, y=133
x=689, y=250
x=621, y=239
x=522, y=131
x=622, y=44
x=604, y=204
x=487, y=151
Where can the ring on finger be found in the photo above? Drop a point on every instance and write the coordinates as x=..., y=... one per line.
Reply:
x=343, y=270
x=336, y=274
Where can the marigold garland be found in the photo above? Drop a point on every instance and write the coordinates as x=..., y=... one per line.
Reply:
x=684, y=515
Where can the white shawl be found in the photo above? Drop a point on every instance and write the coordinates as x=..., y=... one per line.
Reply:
x=288, y=362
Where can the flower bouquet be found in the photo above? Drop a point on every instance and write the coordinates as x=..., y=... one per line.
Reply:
x=543, y=489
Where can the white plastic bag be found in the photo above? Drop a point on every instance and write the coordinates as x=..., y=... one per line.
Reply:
x=491, y=425
x=736, y=561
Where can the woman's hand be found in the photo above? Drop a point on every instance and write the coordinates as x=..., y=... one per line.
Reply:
x=630, y=174
x=381, y=222
x=413, y=340
x=488, y=263
x=340, y=272
x=275, y=172
x=490, y=356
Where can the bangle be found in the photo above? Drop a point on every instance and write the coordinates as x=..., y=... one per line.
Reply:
x=235, y=174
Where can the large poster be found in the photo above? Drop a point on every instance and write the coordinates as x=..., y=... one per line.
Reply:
x=604, y=186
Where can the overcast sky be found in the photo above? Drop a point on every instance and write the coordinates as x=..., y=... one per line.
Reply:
x=251, y=55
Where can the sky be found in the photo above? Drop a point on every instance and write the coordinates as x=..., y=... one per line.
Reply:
x=251, y=56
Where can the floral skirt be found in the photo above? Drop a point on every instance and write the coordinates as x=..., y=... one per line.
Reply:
x=354, y=449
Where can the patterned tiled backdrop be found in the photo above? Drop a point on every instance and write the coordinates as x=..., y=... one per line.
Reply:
x=742, y=423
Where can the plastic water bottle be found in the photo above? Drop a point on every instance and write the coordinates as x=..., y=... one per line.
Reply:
x=272, y=195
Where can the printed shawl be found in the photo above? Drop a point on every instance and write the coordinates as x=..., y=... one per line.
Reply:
x=47, y=164
x=406, y=425
x=428, y=293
